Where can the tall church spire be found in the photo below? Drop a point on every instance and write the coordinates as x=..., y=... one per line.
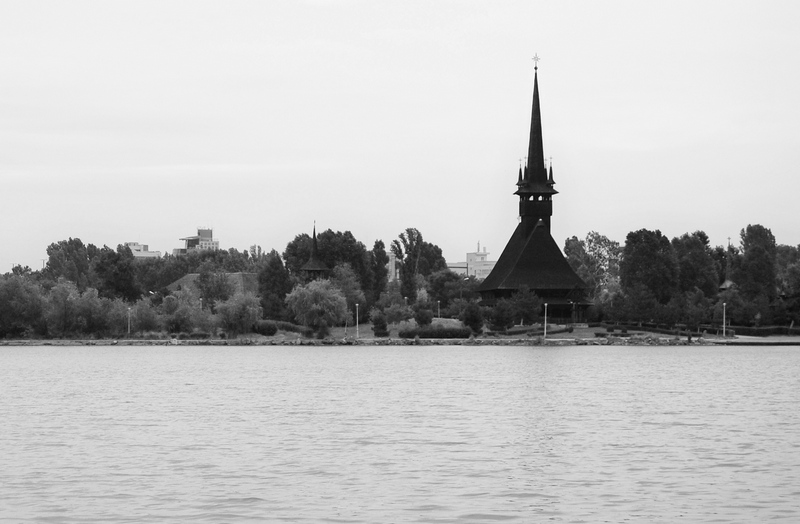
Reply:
x=535, y=147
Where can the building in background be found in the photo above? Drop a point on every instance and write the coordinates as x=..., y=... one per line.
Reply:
x=204, y=239
x=142, y=250
x=477, y=264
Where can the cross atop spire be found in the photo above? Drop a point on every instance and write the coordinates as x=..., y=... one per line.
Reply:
x=536, y=61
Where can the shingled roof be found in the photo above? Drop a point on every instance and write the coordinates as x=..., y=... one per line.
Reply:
x=532, y=258
x=314, y=264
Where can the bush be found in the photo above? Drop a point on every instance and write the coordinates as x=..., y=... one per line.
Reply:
x=293, y=328
x=379, y=325
x=424, y=317
x=265, y=327
x=502, y=315
x=436, y=332
x=473, y=317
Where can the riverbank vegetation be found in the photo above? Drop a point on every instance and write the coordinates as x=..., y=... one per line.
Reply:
x=88, y=292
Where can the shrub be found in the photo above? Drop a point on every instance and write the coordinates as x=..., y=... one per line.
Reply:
x=379, y=325
x=424, y=317
x=436, y=332
x=294, y=328
x=265, y=327
x=473, y=317
x=502, y=315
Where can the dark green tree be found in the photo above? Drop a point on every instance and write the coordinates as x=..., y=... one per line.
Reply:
x=274, y=283
x=318, y=305
x=596, y=260
x=527, y=305
x=213, y=285
x=696, y=267
x=472, y=317
x=503, y=315
x=70, y=259
x=345, y=280
x=22, y=304
x=115, y=274
x=379, y=262
x=756, y=274
x=239, y=314
x=649, y=260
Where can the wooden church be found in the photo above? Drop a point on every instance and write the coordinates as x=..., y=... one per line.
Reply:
x=532, y=258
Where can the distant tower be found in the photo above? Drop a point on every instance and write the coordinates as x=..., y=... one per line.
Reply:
x=314, y=268
x=532, y=258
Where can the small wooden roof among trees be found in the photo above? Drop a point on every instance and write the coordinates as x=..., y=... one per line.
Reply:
x=314, y=266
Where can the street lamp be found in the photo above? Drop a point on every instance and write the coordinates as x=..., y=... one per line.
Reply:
x=723, y=319
x=438, y=309
x=356, y=320
x=129, y=322
x=545, y=322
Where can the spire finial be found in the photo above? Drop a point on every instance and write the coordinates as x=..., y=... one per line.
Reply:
x=536, y=61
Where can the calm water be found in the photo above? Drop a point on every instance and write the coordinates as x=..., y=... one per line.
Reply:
x=399, y=434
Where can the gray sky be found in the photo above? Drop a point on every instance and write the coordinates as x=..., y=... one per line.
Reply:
x=140, y=121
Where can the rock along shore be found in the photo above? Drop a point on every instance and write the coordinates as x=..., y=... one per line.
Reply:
x=638, y=340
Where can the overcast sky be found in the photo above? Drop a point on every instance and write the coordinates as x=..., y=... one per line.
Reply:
x=140, y=121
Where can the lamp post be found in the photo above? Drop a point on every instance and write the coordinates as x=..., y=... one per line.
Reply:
x=356, y=320
x=438, y=309
x=129, y=322
x=723, y=319
x=545, y=322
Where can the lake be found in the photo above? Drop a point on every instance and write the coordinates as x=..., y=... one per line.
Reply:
x=356, y=434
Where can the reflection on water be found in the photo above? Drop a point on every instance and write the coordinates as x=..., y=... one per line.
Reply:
x=399, y=434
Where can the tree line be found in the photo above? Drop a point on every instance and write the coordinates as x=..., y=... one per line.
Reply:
x=86, y=291
x=687, y=281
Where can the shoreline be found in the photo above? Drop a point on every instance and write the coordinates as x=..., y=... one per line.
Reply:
x=634, y=340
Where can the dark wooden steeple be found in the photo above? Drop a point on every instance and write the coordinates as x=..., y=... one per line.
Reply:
x=314, y=268
x=532, y=258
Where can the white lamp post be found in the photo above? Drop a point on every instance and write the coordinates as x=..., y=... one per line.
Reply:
x=438, y=309
x=356, y=320
x=723, y=319
x=545, y=322
x=129, y=322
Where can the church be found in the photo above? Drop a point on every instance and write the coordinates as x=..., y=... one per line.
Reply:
x=532, y=258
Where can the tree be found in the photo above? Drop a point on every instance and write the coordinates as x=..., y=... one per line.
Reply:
x=379, y=262
x=380, y=326
x=503, y=315
x=239, y=313
x=213, y=286
x=274, y=283
x=334, y=248
x=696, y=268
x=787, y=265
x=473, y=317
x=345, y=280
x=756, y=275
x=61, y=312
x=596, y=260
x=91, y=313
x=444, y=285
x=115, y=274
x=415, y=257
x=318, y=305
x=526, y=304
x=649, y=260
x=70, y=259
x=21, y=306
